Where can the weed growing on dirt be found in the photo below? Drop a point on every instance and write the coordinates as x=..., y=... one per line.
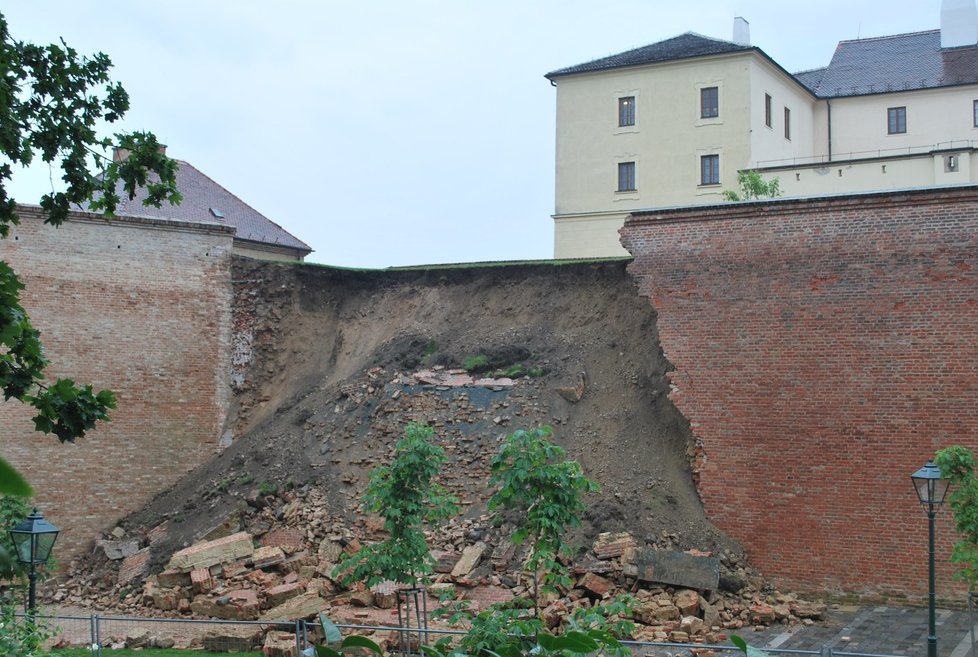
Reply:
x=475, y=363
x=266, y=488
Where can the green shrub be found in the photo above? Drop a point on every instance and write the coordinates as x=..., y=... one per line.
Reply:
x=475, y=363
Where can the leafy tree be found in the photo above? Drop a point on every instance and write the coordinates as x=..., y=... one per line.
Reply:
x=752, y=186
x=406, y=496
x=534, y=479
x=957, y=465
x=51, y=100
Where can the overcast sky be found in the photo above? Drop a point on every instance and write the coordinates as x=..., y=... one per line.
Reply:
x=397, y=132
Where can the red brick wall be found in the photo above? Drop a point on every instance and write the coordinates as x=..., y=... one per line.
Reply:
x=138, y=306
x=824, y=350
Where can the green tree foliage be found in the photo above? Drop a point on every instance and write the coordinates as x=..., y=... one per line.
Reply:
x=535, y=479
x=752, y=186
x=13, y=509
x=406, y=496
x=957, y=465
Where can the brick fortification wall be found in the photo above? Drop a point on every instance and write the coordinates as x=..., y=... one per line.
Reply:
x=138, y=306
x=824, y=350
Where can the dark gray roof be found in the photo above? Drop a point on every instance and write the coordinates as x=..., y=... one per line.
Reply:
x=200, y=194
x=812, y=78
x=684, y=46
x=894, y=63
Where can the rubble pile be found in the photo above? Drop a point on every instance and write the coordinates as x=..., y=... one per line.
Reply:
x=258, y=536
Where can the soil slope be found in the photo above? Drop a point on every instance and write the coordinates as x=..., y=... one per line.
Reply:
x=326, y=376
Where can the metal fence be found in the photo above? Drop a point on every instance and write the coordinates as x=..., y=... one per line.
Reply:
x=103, y=634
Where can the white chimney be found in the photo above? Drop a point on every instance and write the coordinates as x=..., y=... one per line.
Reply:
x=741, y=31
x=959, y=23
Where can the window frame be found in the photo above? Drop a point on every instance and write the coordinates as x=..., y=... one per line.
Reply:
x=896, y=118
x=708, y=94
x=626, y=111
x=626, y=177
x=710, y=163
x=787, y=123
x=768, y=113
x=974, y=112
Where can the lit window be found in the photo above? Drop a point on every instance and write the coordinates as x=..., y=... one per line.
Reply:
x=709, y=102
x=710, y=170
x=896, y=120
x=787, y=123
x=767, y=110
x=626, y=176
x=626, y=111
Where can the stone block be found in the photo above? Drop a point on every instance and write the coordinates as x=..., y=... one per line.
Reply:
x=267, y=556
x=276, y=595
x=134, y=566
x=611, y=545
x=307, y=605
x=688, y=602
x=210, y=553
x=469, y=559
x=674, y=568
x=595, y=586
x=172, y=578
x=116, y=550
x=201, y=580
x=279, y=644
x=232, y=638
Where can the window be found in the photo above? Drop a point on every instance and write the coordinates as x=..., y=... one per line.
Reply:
x=710, y=170
x=976, y=113
x=896, y=120
x=709, y=102
x=626, y=176
x=787, y=123
x=767, y=110
x=626, y=111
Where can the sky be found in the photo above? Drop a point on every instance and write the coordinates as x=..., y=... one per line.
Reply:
x=403, y=132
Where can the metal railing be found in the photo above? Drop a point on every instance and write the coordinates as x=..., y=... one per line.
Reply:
x=101, y=634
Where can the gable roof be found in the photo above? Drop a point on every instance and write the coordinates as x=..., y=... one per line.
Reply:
x=684, y=46
x=888, y=64
x=200, y=194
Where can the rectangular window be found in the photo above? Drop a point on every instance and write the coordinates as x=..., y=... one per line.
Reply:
x=709, y=102
x=767, y=110
x=787, y=123
x=710, y=170
x=976, y=113
x=626, y=111
x=626, y=176
x=896, y=120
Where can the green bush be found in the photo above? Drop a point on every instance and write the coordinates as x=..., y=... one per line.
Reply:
x=475, y=363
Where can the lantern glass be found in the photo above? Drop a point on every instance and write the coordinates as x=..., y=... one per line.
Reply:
x=33, y=539
x=930, y=487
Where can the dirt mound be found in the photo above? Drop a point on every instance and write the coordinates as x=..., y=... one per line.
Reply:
x=330, y=365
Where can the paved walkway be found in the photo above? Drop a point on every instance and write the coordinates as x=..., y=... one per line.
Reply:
x=875, y=630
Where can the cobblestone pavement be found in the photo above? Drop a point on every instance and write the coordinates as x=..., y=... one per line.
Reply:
x=874, y=630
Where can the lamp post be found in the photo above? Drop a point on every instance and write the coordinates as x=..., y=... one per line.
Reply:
x=33, y=538
x=931, y=489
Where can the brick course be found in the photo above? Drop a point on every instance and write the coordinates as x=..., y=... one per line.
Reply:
x=142, y=307
x=824, y=350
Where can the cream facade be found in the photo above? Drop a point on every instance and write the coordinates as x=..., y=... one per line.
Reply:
x=670, y=149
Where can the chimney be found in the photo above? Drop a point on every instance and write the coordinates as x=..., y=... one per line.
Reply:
x=741, y=31
x=959, y=23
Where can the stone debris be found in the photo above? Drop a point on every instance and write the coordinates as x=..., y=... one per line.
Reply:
x=211, y=553
x=281, y=565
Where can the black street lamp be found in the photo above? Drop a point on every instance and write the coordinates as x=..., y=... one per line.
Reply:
x=33, y=538
x=931, y=489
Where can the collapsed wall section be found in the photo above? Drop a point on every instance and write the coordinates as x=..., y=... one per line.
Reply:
x=824, y=350
x=139, y=306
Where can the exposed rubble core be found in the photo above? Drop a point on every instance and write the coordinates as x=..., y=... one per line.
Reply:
x=338, y=362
